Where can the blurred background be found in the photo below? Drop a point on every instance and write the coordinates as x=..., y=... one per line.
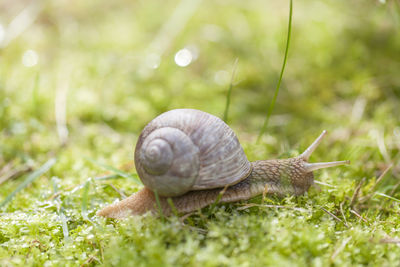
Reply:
x=79, y=79
x=86, y=76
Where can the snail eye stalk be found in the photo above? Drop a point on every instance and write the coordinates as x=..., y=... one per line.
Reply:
x=309, y=167
x=307, y=153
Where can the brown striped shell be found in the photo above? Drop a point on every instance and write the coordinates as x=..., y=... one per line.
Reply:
x=185, y=149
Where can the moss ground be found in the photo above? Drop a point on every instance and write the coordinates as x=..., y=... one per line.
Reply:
x=82, y=80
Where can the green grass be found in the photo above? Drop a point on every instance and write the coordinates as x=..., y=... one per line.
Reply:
x=96, y=59
x=278, y=86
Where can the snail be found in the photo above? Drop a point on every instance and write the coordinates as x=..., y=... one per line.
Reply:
x=195, y=159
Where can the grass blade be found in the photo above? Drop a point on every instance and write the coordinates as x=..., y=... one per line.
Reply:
x=173, y=208
x=32, y=177
x=107, y=177
x=228, y=96
x=64, y=225
x=60, y=209
x=159, y=205
x=218, y=199
x=272, y=104
x=115, y=170
x=85, y=200
x=387, y=196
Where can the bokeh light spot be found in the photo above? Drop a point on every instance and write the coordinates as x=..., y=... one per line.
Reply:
x=183, y=57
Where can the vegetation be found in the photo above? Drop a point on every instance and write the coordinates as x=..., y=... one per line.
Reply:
x=82, y=79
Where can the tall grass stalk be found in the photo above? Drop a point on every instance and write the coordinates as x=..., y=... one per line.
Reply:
x=228, y=96
x=272, y=104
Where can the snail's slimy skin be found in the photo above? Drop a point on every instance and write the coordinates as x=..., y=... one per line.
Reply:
x=279, y=177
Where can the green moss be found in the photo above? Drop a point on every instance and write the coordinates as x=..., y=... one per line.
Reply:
x=341, y=75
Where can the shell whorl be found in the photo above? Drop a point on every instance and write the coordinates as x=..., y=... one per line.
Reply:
x=183, y=150
x=170, y=161
x=157, y=156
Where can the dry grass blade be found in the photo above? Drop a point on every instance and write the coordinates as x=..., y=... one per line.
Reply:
x=89, y=261
x=250, y=205
x=359, y=216
x=11, y=174
x=264, y=194
x=389, y=240
x=333, y=216
x=184, y=217
x=6, y=168
x=394, y=188
x=322, y=183
x=123, y=196
x=380, y=178
x=382, y=175
x=356, y=193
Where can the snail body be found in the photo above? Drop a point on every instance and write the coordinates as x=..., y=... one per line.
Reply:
x=195, y=159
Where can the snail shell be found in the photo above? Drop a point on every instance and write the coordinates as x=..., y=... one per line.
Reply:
x=185, y=149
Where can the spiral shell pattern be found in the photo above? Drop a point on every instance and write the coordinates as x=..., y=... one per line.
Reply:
x=185, y=149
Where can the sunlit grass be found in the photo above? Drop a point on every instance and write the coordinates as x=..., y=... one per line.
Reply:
x=96, y=57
